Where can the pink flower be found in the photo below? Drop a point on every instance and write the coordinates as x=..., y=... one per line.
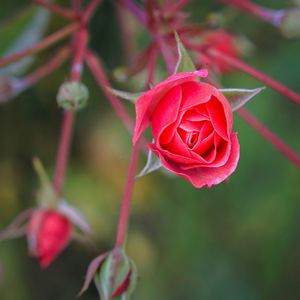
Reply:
x=225, y=43
x=191, y=124
x=48, y=233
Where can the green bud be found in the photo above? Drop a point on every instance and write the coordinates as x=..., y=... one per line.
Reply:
x=290, y=23
x=117, y=276
x=72, y=95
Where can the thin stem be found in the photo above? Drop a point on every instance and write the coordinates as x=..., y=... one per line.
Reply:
x=64, y=12
x=135, y=10
x=53, y=64
x=91, y=9
x=63, y=150
x=238, y=64
x=268, y=15
x=126, y=200
x=48, y=41
x=96, y=68
x=69, y=116
x=270, y=136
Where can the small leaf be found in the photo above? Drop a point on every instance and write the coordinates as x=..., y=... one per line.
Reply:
x=184, y=63
x=92, y=269
x=153, y=163
x=239, y=97
x=21, y=32
x=132, y=97
x=16, y=228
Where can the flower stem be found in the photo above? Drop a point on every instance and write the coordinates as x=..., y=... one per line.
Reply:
x=126, y=200
x=270, y=136
x=90, y=10
x=96, y=69
x=135, y=10
x=271, y=16
x=66, y=13
x=53, y=64
x=48, y=41
x=80, y=41
x=240, y=65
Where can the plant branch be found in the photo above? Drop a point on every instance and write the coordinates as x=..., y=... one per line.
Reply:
x=80, y=41
x=96, y=68
x=240, y=65
x=91, y=9
x=64, y=12
x=271, y=16
x=54, y=63
x=126, y=200
x=270, y=136
x=48, y=41
x=134, y=9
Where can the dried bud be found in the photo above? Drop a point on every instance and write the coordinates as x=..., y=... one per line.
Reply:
x=290, y=23
x=9, y=88
x=48, y=233
x=72, y=95
x=117, y=276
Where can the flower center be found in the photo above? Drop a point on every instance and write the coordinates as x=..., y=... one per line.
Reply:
x=192, y=138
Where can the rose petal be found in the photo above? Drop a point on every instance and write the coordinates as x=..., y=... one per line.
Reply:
x=209, y=176
x=146, y=104
x=194, y=93
x=218, y=118
x=167, y=111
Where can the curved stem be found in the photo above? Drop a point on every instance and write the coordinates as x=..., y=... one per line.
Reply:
x=271, y=16
x=64, y=12
x=126, y=200
x=69, y=116
x=95, y=66
x=48, y=41
x=54, y=63
x=240, y=65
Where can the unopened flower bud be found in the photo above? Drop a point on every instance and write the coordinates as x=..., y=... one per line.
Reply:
x=117, y=276
x=48, y=233
x=72, y=95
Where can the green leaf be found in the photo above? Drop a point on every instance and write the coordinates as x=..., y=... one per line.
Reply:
x=132, y=97
x=22, y=32
x=239, y=97
x=184, y=63
x=153, y=163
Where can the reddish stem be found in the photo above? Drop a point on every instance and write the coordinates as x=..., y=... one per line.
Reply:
x=63, y=150
x=268, y=15
x=69, y=116
x=238, y=64
x=66, y=13
x=126, y=200
x=134, y=9
x=90, y=10
x=46, y=69
x=96, y=69
x=270, y=136
x=48, y=41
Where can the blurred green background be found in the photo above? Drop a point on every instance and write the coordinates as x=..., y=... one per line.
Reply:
x=239, y=240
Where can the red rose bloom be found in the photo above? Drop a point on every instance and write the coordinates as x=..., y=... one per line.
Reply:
x=191, y=124
x=225, y=43
x=48, y=233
